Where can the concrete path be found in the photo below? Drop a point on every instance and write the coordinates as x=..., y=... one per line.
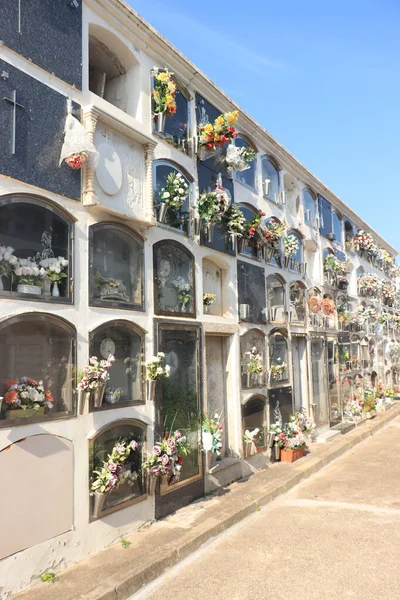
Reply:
x=335, y=536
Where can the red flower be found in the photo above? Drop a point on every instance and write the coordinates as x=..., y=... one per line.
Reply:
x=11, y=396
x=180, y=460
x=220, y=427
x=166, y=435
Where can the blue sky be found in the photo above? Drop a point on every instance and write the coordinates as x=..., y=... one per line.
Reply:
x=322, y=78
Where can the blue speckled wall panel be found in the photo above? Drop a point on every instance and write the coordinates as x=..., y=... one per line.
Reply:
x=47, y=31
x=39, y=135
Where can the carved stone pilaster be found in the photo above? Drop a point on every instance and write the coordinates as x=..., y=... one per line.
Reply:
x=148, y=187
x=89, y=198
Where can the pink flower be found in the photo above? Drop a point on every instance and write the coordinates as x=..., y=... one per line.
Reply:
x=177, y=435
x=157, y=450
x=165, y=459
x=134, y=445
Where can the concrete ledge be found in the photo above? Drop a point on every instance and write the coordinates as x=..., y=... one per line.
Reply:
x=117, y=573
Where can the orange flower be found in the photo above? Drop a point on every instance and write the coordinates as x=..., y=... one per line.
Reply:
x=11, y=397
x=10, y=382
x=48, y=395
x=32, y=382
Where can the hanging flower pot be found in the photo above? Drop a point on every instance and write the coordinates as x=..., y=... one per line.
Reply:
x=162, y=212
x=160, y=122
x=241, y=244
x=98, y=503
x=210, y=232
x=29, y=289
x=232, y=242
x=151, y=389
x=244, y=311
x=151, y=484
x=98, y=395
x=83, y=399
x=196, y=226
x=209, y=460
x=271, y=440
x=76, y=161
x=78, y=144
x=286, y=261
x=277, y=452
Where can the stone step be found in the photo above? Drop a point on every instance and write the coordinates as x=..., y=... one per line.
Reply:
x=327, y=436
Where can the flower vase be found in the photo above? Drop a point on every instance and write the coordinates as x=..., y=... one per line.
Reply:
x=247, y=449
x=98, y=503
x=160, y=122
x=271, y=440
x=55, y=291
x=196, y=226
x=260, y=379
x=164, y=480
x=151, y=389
x=46, y=286
x=248, y=379
x=209, y=460
x=1, y=403
x=162, y=212
x=244, y=311
x=151, y=484
x=83, y=399
x=98, y=395
x=286, y=261
x=277, y=452
x=241, y=244
x=232, y=242
x=210, y=232
x=1, y=283
x=206, y=309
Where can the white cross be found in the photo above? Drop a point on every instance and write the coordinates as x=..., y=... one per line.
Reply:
x=15, y=105
x=106, y=135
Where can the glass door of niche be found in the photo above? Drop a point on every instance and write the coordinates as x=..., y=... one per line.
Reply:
x=335, y=411
x=179, y=406
x=319, y=400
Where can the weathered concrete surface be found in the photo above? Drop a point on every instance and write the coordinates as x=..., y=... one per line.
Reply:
x=337, y=535
x=116, y=573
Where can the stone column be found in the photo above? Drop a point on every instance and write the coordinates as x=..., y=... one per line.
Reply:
x=89, y=198
x=148, y=187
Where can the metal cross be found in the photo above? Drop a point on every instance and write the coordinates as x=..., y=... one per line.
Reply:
x=15, y=105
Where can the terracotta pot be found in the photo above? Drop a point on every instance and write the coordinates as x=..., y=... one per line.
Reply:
x=162, y=212
x=19, y=413
x=290, y=456
x=98, y=503
x=151, y=389
x=98, y=395
x=83, y=400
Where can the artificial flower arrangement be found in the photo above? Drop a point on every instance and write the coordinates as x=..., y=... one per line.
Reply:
x=277, y=369
x=235, y=221
x=167, y=457
x=255, y=364
x=212, y=434
x=78, y=145
x=176, y=190
x=252, y=227
x=164, y=92
x=290, y=245
x=272, y=232
x=26, y=393
x=113, y=394
x=369, y=284
x=389, y=393
x=364, y=241
x=7, y=260
x=328, y=306
x=315, y=304
x=288, y=437
x=239, y=158
x=183, y=291
x=55, y=268
x=354, y=406
x=28, y=272
x=222, y=131
x=208, y=298
x=303, y=421
x=155, y=369
x=96, y=374
x=366, y=313
x=250, y=439
x=211, y=206
x=108, y=476
x=385, y=318
x=388, y=292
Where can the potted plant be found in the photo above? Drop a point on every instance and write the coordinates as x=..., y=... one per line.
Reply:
x=7, y=262
x=29, y=276
x=92, y=381
x=164, y=92
x=26, y=397
x=166, y=459
x=55, y=271
x=249, y=440
x=219, y=133
x=208, y=299
x=108, y=477
x=154, y=372
x=255, y=368
x=291, y=442
x=174, y=194
x=211, y=429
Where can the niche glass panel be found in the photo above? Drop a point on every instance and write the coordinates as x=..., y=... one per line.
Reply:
x=176, y=127
x=178, y=218
x=37, y=374
x=116, y=268
x=249, y=213
x=325, y=210
x=174, y=280
x=254, y=417
x=297, y=301
x=132, y=481
x=180, y=404
x=297, y=258
x=276, y=299
x=337, y=227
x=212, y=284
x=248, y=176
x=251, y=346
x=251, y=291
x=126, y=345
x=310, y=208
x=36, y=233
x=278, y=357
x=270, y=179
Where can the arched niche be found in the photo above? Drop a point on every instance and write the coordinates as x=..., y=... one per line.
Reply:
x=348, y=234
x=37, y=368
x=274, y=243
x=248, y=176
x=270, y=178
x=37, y=230
x=251, y=292
x=355, y=352
x=295, y=261
x=309, y=199
x=278, y=356
x=291, y=194
x=39, y=472
x=254, y=416
x=125, y=341
x=116, y=267
x=176, y=127
x=174, y=284
x=297, y=300
x=176, y=217
x=114, y=70
x=252, y=353
x=213, y=284
x=131, y=486
x=249, y=212
x=276, y=302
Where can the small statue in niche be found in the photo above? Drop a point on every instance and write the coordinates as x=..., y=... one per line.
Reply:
x=47, y=252
x=277, y=414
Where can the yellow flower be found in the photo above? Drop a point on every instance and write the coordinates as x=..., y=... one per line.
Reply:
x=219, y=120
x=163, y=77
x=208, y=128
x=232, y=117
x=171, y=86
x=169, y=99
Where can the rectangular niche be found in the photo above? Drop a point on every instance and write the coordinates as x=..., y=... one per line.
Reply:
x=251, y=293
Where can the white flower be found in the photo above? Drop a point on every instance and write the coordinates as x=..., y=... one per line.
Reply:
x=167, y=370
x=13, y=260
x=166, y=195
x=161, y=354
x=18, y=271
x=181, y=191
x=154, y=359
x=9, y=250
x=207, y=441
x=160, y=370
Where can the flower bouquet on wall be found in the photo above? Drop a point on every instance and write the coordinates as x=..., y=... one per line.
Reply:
x=364, y=244
x=212, y=429
x=388, y=294
x=219, y=133
x=154, y=372
x=239, y=158
x=29, y=276
x=328, y=306
x=109, y=476
x=55, y=271
x=166, y=460
x=276, y=435
x=272, y=233
x=173, y=195
x=253, y=232
x=304, y=423
x=164, y=92
x=7, y=262
x=291, y=246
x=250, y=439
x=277, y=370
x=211, y=207
x=78, y=146
x=109, y=288
x=254, y=368
x=369, y=285
x=26, y=397
x=93, y=380
x=235, y=226
x=208, y=299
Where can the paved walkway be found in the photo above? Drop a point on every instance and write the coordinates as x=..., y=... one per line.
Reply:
x=337, y=535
